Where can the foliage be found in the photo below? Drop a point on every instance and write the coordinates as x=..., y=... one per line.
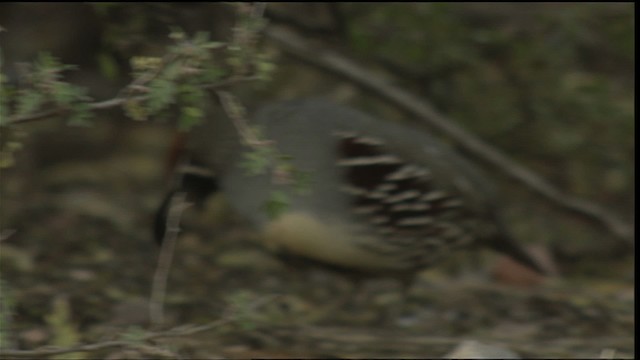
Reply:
x=555, y=88
x=277, y=204
x=179, y=78
x=551, y=82
x=44, y=88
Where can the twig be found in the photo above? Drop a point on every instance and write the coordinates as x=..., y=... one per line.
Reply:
x=174, y=332
x=177, y=205
x=282, y=172
x=383, y=87
x=234, y=110
x=180, y=331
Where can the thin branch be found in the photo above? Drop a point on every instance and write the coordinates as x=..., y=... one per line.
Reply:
x=177, y=205
x=282, y=172
x=117, y=101
x=235, y=111
x=179, y=331
x=175, y=332
x=383, y=87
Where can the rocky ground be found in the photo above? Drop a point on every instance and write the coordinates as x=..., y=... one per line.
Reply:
x=77, y=266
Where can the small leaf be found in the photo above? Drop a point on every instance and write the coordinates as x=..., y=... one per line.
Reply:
x=257, y=161
x=80, y=115
x=302, y=181
x=7, y=159
x=108, y=65
x=135, y=110
x=277, y=204
x=161, y=94
x=145, y=63
x=29, y=101
x=189, y=117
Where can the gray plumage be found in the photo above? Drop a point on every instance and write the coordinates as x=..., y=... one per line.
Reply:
x=383, y=198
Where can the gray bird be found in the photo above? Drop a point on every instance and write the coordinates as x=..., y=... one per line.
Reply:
x=383, y=199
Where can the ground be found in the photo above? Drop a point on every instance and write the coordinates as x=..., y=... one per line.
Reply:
x=77, y=264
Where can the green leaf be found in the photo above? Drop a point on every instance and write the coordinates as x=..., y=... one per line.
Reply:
x=172, y=71
x=161, y=94
x=7, y=159
x=265, y=68
x=29, y=101
x=213, y=73
x=189, y=117
x=277, y=204
x=80, y=115
x=302, y=181
x=258, y=160
x=135, y=110
x=65, y=94
x=108, y=65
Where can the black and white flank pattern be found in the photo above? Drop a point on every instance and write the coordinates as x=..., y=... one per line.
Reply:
x=400, y=201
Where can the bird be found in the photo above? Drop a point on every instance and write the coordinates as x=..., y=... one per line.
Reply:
x=383, y=199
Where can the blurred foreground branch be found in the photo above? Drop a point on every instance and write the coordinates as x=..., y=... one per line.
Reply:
x=118, y=101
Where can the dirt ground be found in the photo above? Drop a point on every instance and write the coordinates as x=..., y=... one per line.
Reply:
x=77, y=264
